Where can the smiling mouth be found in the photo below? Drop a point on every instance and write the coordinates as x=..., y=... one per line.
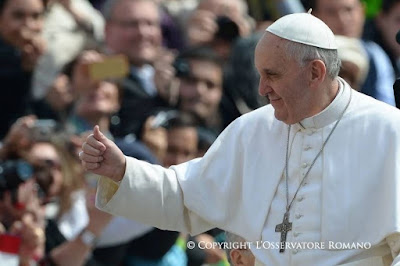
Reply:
x=96, y=97
x=274, y=100
x=145, y=44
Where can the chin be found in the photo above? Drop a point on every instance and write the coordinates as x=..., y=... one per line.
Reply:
x=279, y=115
x=147, y=54
x=202, y=113
x=284, y=118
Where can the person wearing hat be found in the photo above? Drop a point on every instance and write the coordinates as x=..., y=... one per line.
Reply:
x=311, y=179
x=354, y=61
x=347, y=17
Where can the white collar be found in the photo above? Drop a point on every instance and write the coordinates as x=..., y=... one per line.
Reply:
x=332, y=112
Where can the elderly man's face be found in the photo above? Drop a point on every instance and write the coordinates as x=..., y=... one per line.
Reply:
x=282, y=80
x=134, y=30
x=344, y=17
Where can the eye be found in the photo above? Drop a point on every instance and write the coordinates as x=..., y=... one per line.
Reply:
x=210, y=84
x=37, y=16
x=270, y=75
x=18, y=15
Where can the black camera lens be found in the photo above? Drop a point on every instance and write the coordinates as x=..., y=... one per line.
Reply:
x=13, y=173
x=228, y=30
x=182, y=67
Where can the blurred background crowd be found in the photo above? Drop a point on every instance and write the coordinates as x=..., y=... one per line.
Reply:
x=162, y=78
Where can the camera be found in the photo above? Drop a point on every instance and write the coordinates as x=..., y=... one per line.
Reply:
x=228, y=30
x=13, y=173
x=182, y=67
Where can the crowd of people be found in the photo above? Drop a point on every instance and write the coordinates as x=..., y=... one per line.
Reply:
x=162, y=79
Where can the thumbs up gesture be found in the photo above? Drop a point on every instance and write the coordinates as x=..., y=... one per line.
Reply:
x=101, y=156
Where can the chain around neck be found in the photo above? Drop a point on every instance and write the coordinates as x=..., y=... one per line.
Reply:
x=288, y=205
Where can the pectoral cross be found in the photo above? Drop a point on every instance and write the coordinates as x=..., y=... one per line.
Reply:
x=283, y=228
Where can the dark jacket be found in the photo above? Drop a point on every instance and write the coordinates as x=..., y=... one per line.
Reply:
x=136, y=106
x=15, y=87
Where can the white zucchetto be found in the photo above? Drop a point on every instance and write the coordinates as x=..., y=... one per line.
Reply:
x=304, y=28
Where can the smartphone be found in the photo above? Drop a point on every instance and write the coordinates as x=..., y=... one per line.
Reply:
x=112, y=67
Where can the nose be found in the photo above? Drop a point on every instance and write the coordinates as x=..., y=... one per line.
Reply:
x=32, y=23
x=96, y=85
x=93, y=86
x=144, y=29
x=345, y=18
x=263, y=88
x=200, y=88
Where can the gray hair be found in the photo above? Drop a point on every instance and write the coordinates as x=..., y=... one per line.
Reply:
x=109, y=6
x=304, y=53
x=231, y=239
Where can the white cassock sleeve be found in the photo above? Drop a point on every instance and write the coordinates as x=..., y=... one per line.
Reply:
x=394, y=244
x=192, y=197
x=148, y=194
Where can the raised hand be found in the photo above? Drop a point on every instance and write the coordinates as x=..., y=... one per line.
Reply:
x=201, y=27
x=101, y=156
x=19, y=137
x=164, y=76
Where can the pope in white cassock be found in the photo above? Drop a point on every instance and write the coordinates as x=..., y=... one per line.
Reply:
x=311, y=179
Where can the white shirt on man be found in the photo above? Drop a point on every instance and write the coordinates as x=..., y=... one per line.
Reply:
x=351, y=195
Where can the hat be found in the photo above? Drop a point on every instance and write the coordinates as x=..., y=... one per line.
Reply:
x=352, y=50
x=304, y=28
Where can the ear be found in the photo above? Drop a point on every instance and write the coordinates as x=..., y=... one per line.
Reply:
x=318, y=73
x=236, y=257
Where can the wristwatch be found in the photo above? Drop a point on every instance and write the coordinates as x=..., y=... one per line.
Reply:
x=88, y=238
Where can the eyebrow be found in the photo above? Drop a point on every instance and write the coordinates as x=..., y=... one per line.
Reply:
x=21, y=11
x=270, y=72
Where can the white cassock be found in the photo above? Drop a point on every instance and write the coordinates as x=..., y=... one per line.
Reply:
x=351, y=195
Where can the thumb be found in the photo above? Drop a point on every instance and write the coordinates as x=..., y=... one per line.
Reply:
x=98, y=135
x=148, y=122
x=16, y=228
